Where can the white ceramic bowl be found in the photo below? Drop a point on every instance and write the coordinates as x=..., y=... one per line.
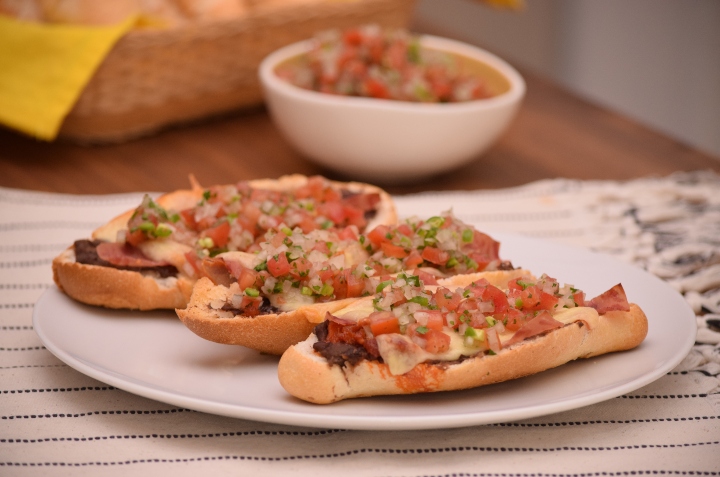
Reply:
x=388, y=141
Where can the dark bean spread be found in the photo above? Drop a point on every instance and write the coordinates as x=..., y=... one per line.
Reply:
x=265, y=309
x=86, y=253
x=340, y=354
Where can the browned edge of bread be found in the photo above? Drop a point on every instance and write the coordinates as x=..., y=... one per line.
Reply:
x=113, y=288
x=306, y=375
x=271, y=333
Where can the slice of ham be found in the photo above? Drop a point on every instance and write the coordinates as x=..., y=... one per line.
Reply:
x=614, y=299
x=123, y=255
x=216, y=269
x=542, y=323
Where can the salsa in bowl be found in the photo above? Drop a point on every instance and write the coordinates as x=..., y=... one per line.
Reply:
x=397, y=120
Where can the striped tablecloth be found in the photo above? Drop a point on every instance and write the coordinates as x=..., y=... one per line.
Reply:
x=57, y=421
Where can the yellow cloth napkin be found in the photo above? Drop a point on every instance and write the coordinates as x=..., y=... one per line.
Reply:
x=44, y=68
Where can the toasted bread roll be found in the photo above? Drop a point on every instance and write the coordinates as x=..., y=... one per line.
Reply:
x=147, y=258
x=307, y=375
x=210, y=316
x=413, y=338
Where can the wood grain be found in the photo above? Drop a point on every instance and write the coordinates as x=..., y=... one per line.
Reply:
x=556, y=134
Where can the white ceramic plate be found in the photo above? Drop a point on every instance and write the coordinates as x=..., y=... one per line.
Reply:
x=154, y=355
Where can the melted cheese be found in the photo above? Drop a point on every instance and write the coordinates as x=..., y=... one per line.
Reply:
x=163, y=250
x=291, y=300
x=401, y=354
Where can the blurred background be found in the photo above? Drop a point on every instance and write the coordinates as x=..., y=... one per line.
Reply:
x=656, y=61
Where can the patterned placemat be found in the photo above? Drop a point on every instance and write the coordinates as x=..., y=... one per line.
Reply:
x=56, y=421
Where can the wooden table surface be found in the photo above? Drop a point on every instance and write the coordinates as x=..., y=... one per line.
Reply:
x=556, y=134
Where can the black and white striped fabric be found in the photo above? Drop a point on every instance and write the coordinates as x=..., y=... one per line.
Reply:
x=56, y=421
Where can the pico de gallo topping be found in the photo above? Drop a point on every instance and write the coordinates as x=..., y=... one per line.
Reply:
x=368, y=61
x=443, y=243
x=411, y=323
x=292, y=269
x=236, y=217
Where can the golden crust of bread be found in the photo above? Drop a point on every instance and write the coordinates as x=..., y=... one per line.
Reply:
x=272, y=333
x=114, y=288
x=306, y=375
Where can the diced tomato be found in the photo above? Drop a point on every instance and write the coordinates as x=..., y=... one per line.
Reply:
x=353, y=36
x=205, y=223
x=379, y=235
x=435, y=320
x=354, y=67
x=277, y=240
x=278, y=265
x=533, y=298
x=188, y=216
x=374, y=48
x=355, y=285
x=413, y=260
x=436, y=341
x=394, y=251
x=442, y=90
x=527, y=299
x=249, y=217
x=333, y=211
x=382, y=322
x=397, y=55
x=219, y=233
x=435, y=255
x=405, y=230
x=497, y=296
x=321, y=247
x=513, y=319
x=300, y=267
x=547, y=301
x=339, y=283
x=483, y=249
x=326, y=275
x=247, y=278
x=354, y=216
x=348, y=233
x=314, y=188
x=425, y=277
x=447, y=299
x=351, y=334
x=135, y=238
x=398, y=296
x=475, y=289
x=250, y=306
x=468, y=304
x=375, y=89
x=307, y=224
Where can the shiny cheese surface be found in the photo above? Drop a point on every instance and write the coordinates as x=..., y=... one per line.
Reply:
x=401, y=354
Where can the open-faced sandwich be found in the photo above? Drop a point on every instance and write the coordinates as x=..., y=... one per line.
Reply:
x=411, y=337
x=151, y=257
x=273, y=298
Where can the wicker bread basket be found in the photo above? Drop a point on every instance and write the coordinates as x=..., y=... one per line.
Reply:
x=152, y=79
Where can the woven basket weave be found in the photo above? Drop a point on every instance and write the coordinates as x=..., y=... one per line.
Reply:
x=152, y=79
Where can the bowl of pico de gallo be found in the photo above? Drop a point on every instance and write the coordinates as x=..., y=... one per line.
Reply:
x=389, y=106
